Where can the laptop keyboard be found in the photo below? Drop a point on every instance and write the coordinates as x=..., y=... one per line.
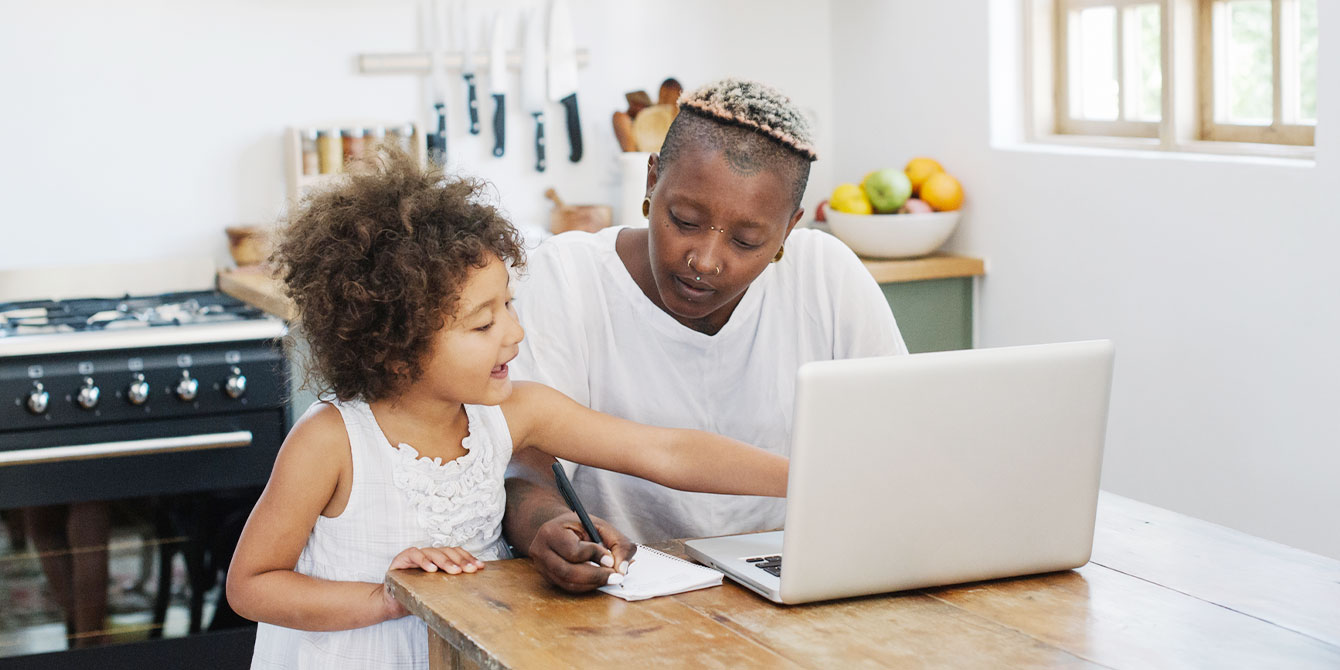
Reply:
x=769, y=564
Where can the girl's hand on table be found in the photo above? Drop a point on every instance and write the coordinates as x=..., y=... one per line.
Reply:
x=451, y=560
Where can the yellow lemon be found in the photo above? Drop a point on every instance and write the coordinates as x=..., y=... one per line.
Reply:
x=942, y=192
x=851, y=199
x=920, y=169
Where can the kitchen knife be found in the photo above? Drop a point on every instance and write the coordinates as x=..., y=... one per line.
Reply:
x=533, y=81
x=498, y=83
x=467, y=47
x=563, y=72
x=437, y=140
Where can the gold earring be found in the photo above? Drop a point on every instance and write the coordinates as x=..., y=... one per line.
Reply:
x=780, y=251
x=646, y=207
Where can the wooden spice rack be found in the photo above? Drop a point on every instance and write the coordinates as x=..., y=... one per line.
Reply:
x=299, y=184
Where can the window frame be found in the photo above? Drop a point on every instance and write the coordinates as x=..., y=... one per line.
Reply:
x=1185, y=123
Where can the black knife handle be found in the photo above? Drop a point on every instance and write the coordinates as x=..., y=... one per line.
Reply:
x=539, y=141
x=473, y=102
x=437, y=140
x=499, y=128
x=574, y=127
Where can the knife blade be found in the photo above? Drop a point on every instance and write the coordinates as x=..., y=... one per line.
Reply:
x=464, y=33
x=533, y=81
x=563, y=72
x=434, y=38
x=498, y=82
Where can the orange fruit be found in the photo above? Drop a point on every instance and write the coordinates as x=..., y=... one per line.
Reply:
x=920, y=169
x=942, y=192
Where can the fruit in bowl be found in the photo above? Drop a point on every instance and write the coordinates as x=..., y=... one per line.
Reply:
x=893, y=235
x=897, y=213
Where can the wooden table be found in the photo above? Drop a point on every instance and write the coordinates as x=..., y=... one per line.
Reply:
x=1162, y=591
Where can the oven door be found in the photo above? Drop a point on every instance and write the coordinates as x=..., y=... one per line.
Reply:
x=150, y=510
x=147, y=458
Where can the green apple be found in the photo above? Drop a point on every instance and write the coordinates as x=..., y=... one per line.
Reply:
x=887, y=189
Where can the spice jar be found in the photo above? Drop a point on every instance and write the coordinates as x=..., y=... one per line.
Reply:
x=330, y=154
x=353, y=144
x=372, y=138
x=311, y=162
x=402, y=136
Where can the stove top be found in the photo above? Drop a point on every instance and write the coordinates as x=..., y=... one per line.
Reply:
x=37, y=317
x=49, y=326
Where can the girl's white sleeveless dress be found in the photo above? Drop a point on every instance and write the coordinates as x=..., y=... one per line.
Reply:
x=397, y=501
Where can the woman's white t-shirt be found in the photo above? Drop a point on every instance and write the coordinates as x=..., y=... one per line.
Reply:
x=592, y=334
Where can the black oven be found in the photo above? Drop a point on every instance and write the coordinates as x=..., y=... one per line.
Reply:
x=134, y=439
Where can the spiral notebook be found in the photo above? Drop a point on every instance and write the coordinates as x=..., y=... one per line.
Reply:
x=653, y=573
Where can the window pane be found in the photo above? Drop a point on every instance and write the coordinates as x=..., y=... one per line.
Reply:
x=1093, y=73
x=1307, y=60
x=1142, y=37
x=1244, y=83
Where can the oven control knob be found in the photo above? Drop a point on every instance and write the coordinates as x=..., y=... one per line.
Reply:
x=138, y=391
x=38, y=399
x=88, y=394
x=236, y=384
x=187, y=387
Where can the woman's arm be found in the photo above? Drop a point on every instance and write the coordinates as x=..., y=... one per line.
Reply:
x=689, y=460
x=262, y=585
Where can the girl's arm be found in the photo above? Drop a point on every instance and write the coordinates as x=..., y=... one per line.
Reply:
x=262, y=585
x=306, y=480
x=689, y=460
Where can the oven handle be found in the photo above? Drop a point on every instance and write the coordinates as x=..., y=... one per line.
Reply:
x=157, y=445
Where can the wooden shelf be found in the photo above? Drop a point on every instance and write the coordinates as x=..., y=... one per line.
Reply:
x=934, y=266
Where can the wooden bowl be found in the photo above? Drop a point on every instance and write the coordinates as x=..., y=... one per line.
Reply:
x=589, y=218
x=249, y=245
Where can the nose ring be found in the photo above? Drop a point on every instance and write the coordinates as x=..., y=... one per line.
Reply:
x=715, y=273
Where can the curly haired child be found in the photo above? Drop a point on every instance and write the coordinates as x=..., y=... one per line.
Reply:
x=400, y=280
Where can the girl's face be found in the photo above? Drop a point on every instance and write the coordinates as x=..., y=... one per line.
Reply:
x=468, y=359
x=714, y=227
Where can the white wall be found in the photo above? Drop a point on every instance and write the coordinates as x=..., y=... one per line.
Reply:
x=137, y=130
x=1216, y=277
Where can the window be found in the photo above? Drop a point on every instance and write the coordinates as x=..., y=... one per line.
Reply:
x=1176, y=73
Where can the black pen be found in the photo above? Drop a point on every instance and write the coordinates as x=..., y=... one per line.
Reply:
x=570, y=496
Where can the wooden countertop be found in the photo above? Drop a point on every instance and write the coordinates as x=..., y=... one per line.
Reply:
x=1161, y=590
x=251, y=285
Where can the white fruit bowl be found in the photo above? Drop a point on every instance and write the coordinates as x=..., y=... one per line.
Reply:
x=893, y=235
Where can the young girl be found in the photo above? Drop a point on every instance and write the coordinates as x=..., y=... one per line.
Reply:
x=400, y=280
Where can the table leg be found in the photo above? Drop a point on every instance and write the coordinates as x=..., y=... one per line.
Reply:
x=443, y=656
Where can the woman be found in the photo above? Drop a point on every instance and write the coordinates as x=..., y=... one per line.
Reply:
x=699, y=320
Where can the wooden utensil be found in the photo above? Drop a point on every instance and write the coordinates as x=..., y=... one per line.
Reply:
x=623, y=131
x=651, y=125
x=670, y=92
x=637, y=101
x=589, y=218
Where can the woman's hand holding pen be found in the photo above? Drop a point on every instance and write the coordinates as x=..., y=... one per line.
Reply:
x=563, y=553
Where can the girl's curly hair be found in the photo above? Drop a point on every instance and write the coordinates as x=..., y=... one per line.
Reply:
x=375, y=266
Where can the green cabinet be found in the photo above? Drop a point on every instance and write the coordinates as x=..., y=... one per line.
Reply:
x=933, y=314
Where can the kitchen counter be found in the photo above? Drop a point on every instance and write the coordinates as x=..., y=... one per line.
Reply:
x=254, y=287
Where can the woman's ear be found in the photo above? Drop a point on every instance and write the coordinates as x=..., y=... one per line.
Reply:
x=795, y=218
x=653, y=166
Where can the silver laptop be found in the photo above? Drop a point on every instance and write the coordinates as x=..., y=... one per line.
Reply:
x=933, y=469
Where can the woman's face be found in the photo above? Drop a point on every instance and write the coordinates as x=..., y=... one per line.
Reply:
x=714, y=227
